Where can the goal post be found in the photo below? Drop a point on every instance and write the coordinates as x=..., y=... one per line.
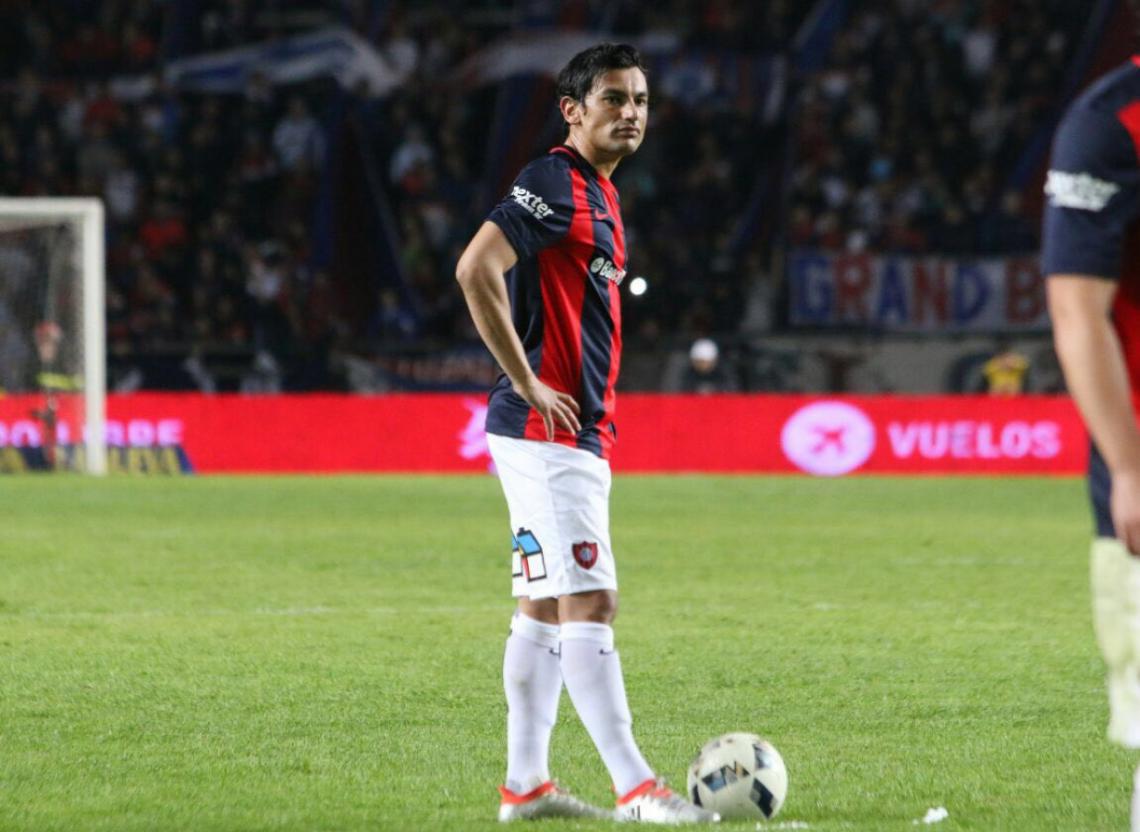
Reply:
x=52, y=287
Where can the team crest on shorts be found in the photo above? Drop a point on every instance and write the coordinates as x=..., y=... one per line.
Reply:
x=586, y=554
x=527, y=559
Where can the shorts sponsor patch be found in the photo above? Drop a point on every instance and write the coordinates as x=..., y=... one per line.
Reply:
x=586, y=554
x=527, y=559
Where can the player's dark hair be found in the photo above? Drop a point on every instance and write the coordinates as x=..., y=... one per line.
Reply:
x=578, y=77
x=1135, y=5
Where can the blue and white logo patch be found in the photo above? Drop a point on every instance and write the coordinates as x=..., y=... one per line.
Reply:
x=527, y=559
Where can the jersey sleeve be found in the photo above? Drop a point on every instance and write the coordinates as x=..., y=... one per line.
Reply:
x=1092, y=194
x=537, y=212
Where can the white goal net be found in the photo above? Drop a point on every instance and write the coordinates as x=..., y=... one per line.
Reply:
x=52, y=351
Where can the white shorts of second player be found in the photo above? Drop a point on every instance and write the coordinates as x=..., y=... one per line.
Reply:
x=559, y=502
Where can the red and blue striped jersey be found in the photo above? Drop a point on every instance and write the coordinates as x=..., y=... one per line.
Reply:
x=1092, y=214
x=564, y=222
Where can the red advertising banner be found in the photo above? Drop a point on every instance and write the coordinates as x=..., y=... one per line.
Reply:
x=823, y=436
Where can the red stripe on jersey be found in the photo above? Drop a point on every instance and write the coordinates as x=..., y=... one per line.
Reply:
x=1126, y=305
x=609, y=401
x=1130, y=117
x=563, y=281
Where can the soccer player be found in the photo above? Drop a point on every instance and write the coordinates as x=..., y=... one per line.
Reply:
x=1091, y=256
x=541, y=279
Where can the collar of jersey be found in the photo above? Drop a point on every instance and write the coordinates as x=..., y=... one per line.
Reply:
x=573, y=153
x=580, y=160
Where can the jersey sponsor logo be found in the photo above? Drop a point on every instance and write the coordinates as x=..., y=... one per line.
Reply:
x=1078, y=190
x=533, y=203
x=828, y=439
x=527, y=560
x=585, y=553
x=606, y=268
x=600, y=216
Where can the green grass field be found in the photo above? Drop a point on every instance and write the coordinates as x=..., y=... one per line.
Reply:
x=324, y=653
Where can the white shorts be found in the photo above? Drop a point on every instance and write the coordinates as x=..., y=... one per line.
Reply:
x=559, y=502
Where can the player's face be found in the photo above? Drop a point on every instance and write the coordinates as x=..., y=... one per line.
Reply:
x=614, y=115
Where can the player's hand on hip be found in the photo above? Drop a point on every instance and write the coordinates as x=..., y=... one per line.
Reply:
x=554, y=406
x=1126, y=509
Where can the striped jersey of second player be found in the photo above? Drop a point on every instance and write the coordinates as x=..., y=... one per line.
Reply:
x=564, y=222
x=1092, y=214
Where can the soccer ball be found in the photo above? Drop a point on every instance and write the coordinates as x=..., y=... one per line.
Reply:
x=740, y=775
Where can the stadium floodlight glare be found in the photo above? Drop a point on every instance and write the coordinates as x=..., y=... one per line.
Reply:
x=52, y=275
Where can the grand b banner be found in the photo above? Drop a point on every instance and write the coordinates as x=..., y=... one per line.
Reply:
x=821, y=436
x=916, y=294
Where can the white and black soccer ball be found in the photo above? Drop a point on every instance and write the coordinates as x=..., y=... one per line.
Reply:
x=740, y=775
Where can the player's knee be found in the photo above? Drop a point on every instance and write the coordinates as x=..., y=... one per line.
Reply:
x=606, y=608
x=544, y=609
x=599, y=607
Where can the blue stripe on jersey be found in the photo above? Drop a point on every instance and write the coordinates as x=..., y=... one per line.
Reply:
x=597, y=322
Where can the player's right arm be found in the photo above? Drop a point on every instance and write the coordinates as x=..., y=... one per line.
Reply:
x=1093, y=363
x=1094, y=193
x=481, y=274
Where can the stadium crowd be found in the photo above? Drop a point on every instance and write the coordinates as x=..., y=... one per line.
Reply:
x=903, y=141
x=910, y=138
x=208, y=198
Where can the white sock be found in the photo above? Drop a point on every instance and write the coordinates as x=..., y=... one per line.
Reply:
x=533, y=682
x=592, y=672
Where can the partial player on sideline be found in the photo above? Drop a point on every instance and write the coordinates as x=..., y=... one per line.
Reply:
x=541, y=278
x=1091, y=257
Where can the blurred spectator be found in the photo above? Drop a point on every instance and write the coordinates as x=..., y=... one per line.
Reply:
x=399, y=50
x=297, y=138
x=410, y=160
x=163, y=230
x=96, y=155
x=121, y=191
x=392, y=322
x=705, y=373
x=264, y=377
x=1005, y=373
